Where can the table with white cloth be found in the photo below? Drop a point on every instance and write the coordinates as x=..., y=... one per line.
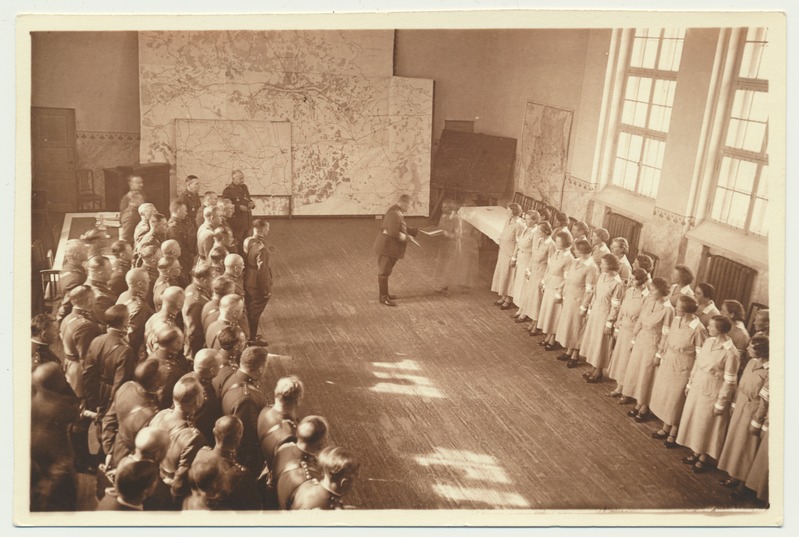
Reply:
x=488, y=220
x=76, y=224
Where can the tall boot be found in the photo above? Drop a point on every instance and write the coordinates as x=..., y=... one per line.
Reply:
x=79, y=438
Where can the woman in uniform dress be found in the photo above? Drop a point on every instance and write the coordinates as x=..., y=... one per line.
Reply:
x=578, y=289
x=703, y=424
x=620, y=247
x=740, y=447
x=739, y=335
x=757, y=478
x=520, y=259
x=605, y=305
x=503, y=272
x=599, y=239
x=686, y=337
x=649, y=339
x=681, y=279
x=552, y=285
x=448, y=223
x=534, y=273
x=580, y=230
x=704, y=298
x=625, y=323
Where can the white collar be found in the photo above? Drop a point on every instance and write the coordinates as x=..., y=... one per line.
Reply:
x=727, y=344
x=693, y=324
x=588, y=261
x=645, y=291
x=686, y=290
x=39, y=342
x=709, y=307
x=126, y=504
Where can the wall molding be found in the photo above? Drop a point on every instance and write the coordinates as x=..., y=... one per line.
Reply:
x=108, y=135
x=686, y=222
x=579, y=184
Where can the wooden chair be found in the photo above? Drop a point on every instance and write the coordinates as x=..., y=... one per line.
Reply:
x=46, y=290
x=88, y=199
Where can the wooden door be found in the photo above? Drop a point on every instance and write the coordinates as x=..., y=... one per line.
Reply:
x=54, y=156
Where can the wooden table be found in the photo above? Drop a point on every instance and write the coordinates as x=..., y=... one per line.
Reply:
x=75, y=225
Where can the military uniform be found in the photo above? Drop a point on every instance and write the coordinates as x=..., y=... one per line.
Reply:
x=257, y=281
x=210, y=313
x=160, y=319
x=185, y=440
x=161, y=285
x=71, y=276
x=109, y=363
x=221, y=378
x=175, y=366
x=193, y=205
x=236, y=487
x=241, y=221
x=205, y=241
x=292, y=468
x=243, y=397
x=212, y=334
x=128, y=219
x=196, y=299
x=41, y=354
x=104, y=298
x=184, y=232
x=210, y=411
x=139, y=313
x=388, y=246
x=312, y=495
x=117, y=284
x=131, y=411
x=275, y=429
x=78, y=330
x=124, y=202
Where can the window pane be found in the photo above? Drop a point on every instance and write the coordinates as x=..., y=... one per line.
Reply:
x=674, y=33
x=639, y=118
x=727, y=171
x=721, y=205
x=637, y=56
x=629, y=176
x=750, y=62
x=628, y=112
x=623, y=145
x=632, y=87
x=635, y=148
x=759, y=222
x=666, y=54
x=762, y=187
x=618, y=172
x=735, y=133
x=739, y=207
x=651, y=153
x=644, y=90
x=645, y=32
x=650, y=53
x=753, y=140
x=650, y=177
x=656, y=118
x=745, y=178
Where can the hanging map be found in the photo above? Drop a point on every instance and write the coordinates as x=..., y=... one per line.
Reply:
x=544, y=152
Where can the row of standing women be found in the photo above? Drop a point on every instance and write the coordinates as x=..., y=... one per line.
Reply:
x=669, y=349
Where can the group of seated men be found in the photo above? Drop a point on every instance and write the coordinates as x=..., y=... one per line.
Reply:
x=159, y=350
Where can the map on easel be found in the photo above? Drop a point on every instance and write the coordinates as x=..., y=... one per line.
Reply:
x=544, y=152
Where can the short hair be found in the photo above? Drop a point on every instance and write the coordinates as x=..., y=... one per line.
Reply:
x=203, y=474
x=218, y=253
x=149, y=374
x=644, y=262
x=723, y=324
x=735, y=309
x=312, y=429
x=98, y=262
x=564, y=236
x=545, y=228
x=157, y=218
x=561, y=218
x=228, y=427
x=760, y=345
x=625, y=246
x=640, y=276
x=187, y=390
x=688, y=303
x=532, y=213
x=149, y=251
x=228, y=337
x=135, y=274
x=145, y=208
x=602, y=233
x=662, y=286
x=209, y=210
x=167, y=262
x=231, y=301
x=190, y=178
x=133, y=176
x=253, y=358
x=175, y=205
x=581, y=226
x=405, y=198
x=289, y=389
x=80, y=295
x=168, y=336
x=119, y=246
x=40, y=323
x=223, y=286
x=686, y=275
x=75, y=247
x=582, y=246
x=763, y=313
x=134, y=477
x=116, y=315
x=611, y=261
x=338, y=461
x=221, y=232
x=259, y=224
x=201, y=272
x=707, y=289
x=515, y=209
x=152, y=443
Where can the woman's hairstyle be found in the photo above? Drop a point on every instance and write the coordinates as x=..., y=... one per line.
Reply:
x=661, y=285
x=602, y=233
x=582, y=246
x=622, y=242
x=545, y=228
x=688, y=304
x=515, y=208
x=644, y=262
x=564, y=236
x=708, y=290
x=561, y=219
x=723, y=324
x=532, y=213
x=686, y=275
x=640, y=276
x=611, y=261
x=760, y=345
x=735, y=309
x=581, y=227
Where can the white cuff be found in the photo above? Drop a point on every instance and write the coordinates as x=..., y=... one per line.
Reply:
x=719, y=406
x=755, y=424
x=608, y=325
x=658, y=355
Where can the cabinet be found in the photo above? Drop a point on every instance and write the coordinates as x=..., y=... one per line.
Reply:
x=156, y=184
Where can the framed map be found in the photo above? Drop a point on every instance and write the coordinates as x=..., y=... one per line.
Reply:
x=544, y=152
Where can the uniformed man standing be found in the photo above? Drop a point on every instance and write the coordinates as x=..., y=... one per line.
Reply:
x=191, y=199
x=169, y=353
x=129, y=217
x=221, y=287
x=340, y=469
x=198, y=294
x=135, y=184
x=146, y=210
x=277, y=424
x=139, y=310
x=78, y=329
x=207, y=363
x=257, y=278
x=168, y=276
x=123, y=258
x=296, y=462
x=239, y=194
x=170, y=314
x=243, y=396
x=72, y=273
x=181, y=228
x=390, y=245
x=44, y=332
x=232, y=343
x=99, y=276
x=231, y=310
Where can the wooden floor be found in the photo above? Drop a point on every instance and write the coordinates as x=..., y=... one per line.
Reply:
x=448, y=402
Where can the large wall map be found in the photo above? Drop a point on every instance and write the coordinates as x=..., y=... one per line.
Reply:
x=359, y=136
x=544, y=152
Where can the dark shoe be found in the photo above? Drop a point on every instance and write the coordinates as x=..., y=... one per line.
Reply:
x=553, y=346
x=641, y=418
x=700, y=467
x=543, y=343
x=257, y=342
x=670, y=444
x=690, y=460
x=523, y=319
x=515, y=316
x=739, y=495
x=586, y=374
x=505, y=306
x=392, y=297
x=729, y=483
x=624, y=400
x=571, y=364
x=564, y=357
x=499, y=302
x=387, y=301
x=594, y=380
x=614, y=393
x=633, y=413
x=659, y=435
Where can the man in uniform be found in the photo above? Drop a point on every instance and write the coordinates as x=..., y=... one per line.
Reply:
x=168, y=276
x=169, y=353
x=135, y=482
x=242, y=396
x=296, y=462
x=223, y=236
x=185, y=440
x=171, y=248
x=257, y=278
x=146, y=210
x=181, y=228
x=99, y=276
x=206, y=367
x=135, y=299
x=134, y=405
x=209, y=200
x=235, y=486
x=391, y=243
x=135, y=188
x=157, y=234
x=205, y=233
x=232, y=343
x=216, y=260
x=191, y=199
x=150, y=255
x=239, y=194
x=123, y=259
x=78, y=330
x=129, y=217
x=231, y=310
x=72, y=273
x=226, y=210
x=198, y=294
x=277, y=424
x=340, y=469
x=221, y=287
x=169, y=315
x=44, y=332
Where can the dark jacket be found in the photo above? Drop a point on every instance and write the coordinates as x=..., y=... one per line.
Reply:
x=388, y=241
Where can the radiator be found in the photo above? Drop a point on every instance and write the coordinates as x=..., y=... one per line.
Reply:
x=733, y=281
x=621, y=226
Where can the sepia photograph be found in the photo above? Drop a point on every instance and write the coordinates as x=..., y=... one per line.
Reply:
x=417, y=269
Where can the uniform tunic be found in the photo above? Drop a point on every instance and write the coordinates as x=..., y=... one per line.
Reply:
x=625, y=323
x=710, y=386
x=653, y=325
x=503, y=272
x=757, y=478
x=598, y=251
x=530, y=301
x=241, y=221
x=625, y=269
x=524, y=250
x=707, y=313
x=549, y=313
x=677, y=292
x=596, y=346
x=578, y=290
x=740, y=447
x=683, y=343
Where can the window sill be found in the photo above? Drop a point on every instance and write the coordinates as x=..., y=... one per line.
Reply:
x=639, y=208
x=734, y=243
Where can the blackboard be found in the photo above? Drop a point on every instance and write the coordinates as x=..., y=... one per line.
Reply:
x=471, y=162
